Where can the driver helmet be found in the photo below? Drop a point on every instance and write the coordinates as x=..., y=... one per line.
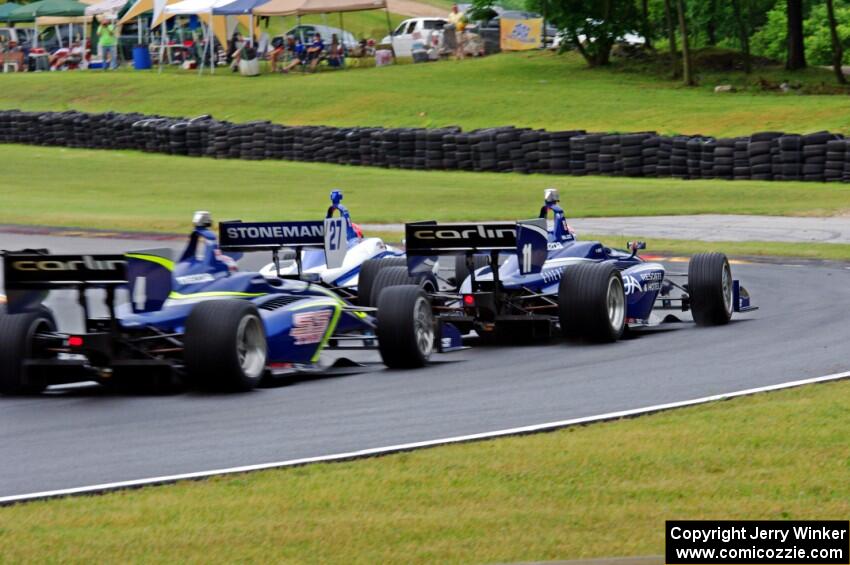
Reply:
x=202, y=219
x=551, y=196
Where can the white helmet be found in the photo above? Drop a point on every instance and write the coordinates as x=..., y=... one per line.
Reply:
x=202, y=219
x=551, y=195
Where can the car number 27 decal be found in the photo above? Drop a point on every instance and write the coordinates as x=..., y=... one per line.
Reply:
x=310, y=327
x=335, y=247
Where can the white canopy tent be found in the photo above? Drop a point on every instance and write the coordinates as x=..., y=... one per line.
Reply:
x=105, y=7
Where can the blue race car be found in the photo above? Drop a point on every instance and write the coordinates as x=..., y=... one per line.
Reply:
x=199, y=320
x=551, y=282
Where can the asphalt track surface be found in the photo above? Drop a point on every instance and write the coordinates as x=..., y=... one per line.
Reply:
x=84, y=435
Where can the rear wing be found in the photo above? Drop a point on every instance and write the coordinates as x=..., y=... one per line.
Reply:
x=42, y=270
x=528, y=239
x=273, y=236
x=30, y=275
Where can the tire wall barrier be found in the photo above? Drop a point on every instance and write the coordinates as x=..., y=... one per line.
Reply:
x=821, y=156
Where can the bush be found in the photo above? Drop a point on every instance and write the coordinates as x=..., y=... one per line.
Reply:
x=770, y=40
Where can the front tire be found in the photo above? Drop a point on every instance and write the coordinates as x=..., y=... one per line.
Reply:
x=592, y=302
x=710, y=289
x=225, y=346
x=17, y=332
x=405, y=327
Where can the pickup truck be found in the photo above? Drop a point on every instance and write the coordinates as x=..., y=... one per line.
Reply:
x=428, y=31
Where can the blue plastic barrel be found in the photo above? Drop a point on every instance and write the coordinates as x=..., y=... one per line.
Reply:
x=141, y=58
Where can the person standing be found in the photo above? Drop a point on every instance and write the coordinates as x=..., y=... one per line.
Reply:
x=458, y=20
x=107, y=41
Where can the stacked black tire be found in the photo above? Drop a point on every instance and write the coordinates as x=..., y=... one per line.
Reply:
x=820, y=156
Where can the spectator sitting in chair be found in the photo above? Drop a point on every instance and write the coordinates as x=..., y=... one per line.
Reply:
x=233, y=47
x=314, y=52
x=336, y=53
x=278, y=51
x=72, y=56
x=297, y=52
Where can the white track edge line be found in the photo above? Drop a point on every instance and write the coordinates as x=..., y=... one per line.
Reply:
x=376, y=451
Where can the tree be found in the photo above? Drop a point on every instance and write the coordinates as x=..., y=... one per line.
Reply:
x=711, y=23
x=687, y=74
x=646, y=25
x=837, y=48
x=593, y=26
x=796, y=57
x=671, y=37
x=743, y=34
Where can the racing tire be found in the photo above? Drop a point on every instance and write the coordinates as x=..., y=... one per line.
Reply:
x=396, y=276
x=592, y=302
x=710, y=289
x=405, y=328
x=16, y=335
x=462, y=273
x=368, y=271
x=225, y=346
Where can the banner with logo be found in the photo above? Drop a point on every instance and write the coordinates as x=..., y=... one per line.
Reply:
x=520, y=34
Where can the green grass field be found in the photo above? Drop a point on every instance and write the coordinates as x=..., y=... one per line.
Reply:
x=598, y=491
x=125, y=190
x=536, y=90
x=140, y=191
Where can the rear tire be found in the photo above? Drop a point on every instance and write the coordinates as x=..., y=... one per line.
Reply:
x=16, y=337
x=396, y=276
x=405, y=327
x=592, y=302
x=462, y=273
x=368, y=271
x=225, y=346
x=710, y=289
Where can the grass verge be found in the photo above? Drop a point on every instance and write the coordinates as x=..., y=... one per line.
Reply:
x=602, y=490
x=138, y=191
x=687, y=247
x=523, y=89
x=660, y=246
